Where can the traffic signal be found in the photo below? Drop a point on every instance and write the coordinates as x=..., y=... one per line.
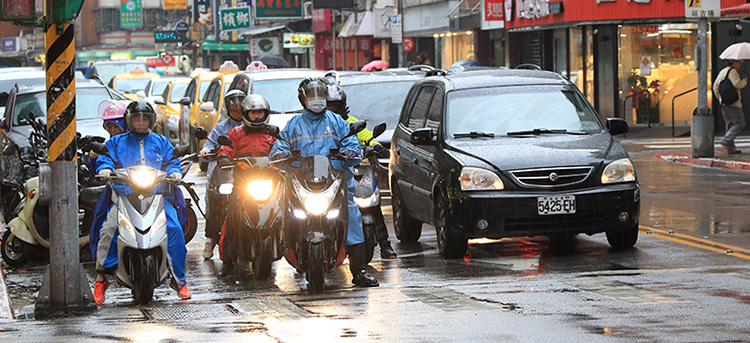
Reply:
x=18, y=10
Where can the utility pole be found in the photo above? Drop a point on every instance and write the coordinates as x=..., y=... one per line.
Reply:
x=702, y=131
x=65, y=289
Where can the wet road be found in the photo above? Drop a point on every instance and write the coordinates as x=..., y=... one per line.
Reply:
x=670, y=288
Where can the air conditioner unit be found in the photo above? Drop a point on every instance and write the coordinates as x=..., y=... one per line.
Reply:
x=307, y=10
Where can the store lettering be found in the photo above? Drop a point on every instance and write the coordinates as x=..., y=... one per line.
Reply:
x=644, y=29
x=532, y=9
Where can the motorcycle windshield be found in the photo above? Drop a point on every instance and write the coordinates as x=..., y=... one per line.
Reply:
x=364, y=181
x=316, y=172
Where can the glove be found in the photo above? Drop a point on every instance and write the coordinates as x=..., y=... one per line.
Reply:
x=381, y=151
x=352, y=154
x=223, y=160
x=105, y=174
x=174, y=176
x=278, y=156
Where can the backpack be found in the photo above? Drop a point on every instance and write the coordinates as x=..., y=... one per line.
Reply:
x=727, y=91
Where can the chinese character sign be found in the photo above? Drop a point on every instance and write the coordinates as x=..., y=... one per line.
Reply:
x=202, y=13
x=235, y=18
x=175, y=4
x=702, y=8
x=493, y=10
x=279, y=9
x=130, y=14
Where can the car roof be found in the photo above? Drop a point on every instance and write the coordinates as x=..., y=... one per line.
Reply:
x=376, y=77
x=131, y=75
x=17, y=70
x=496, y=78
x=115, y=62
x=36, y=87
x=207, y=76
x=285, y=73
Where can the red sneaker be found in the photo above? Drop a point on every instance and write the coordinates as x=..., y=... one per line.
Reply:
x=182, y=291
x=99, y=288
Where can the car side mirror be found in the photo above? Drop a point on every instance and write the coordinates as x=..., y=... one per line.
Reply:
x=185, y=101
x=617, y=126
x=422, y=137
x=207, y=106
x=159, y=100
x=201, y=133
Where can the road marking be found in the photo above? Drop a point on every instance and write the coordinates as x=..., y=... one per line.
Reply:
x=696, y=242
x=622, y=291
x=445, y=299
x=278, y=308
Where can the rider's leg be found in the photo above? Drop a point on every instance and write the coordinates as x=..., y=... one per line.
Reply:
x=356, y=248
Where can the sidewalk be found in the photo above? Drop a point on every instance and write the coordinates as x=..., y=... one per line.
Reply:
x=738, y=162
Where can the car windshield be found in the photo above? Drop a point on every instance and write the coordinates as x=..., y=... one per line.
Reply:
x=384, y=105
x=281, y=94
x=498, y=111
x=130, y=85
x=108, y=70
x=157, y=87
x=178, y=92
x=34, y=105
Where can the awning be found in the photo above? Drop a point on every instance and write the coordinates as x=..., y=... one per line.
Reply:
x=225, y=46
x=359, y=25
x=254, y=31
x=736, y=11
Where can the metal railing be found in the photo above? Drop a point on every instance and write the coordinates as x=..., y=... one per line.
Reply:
x=648, y=98
x=675, y=97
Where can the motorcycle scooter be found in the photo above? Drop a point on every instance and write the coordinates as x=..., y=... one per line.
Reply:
x=316, y=215
x=367, y=193
x=256, y=193
x=142, y=225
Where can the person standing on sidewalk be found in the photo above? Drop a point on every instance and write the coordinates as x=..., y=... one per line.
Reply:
x=733, y=115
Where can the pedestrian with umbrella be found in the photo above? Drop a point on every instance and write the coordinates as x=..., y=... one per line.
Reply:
x=731, y=109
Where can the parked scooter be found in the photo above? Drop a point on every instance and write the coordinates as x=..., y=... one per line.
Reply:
x=27, y=234
x=256, y=193
x=367, y=192
x=142, y=225
x=316, y=216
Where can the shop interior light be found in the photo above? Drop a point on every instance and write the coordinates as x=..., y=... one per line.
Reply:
x=448, y=34
x=469, y=32
x=442, y=35
x=436, y=35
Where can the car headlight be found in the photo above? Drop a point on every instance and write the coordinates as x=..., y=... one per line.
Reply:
x=316, y=203
x=143, y=177
x=367, y=202
x=621, y=170
x=478, y=179
x=260, y=189
x=173, y=118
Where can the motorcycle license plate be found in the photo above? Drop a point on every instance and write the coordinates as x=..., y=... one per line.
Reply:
x=556, y=205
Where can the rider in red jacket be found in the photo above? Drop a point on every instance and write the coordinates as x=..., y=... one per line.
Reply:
x=250, y=139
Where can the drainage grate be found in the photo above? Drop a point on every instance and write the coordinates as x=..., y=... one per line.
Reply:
x=191, y=312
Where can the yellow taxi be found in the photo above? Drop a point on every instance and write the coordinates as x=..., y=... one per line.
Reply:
x=168, y=109
x=130, y=83
x=192, y=114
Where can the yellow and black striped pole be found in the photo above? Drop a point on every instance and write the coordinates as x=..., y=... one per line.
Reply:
x=61, y=92
x=65, y=289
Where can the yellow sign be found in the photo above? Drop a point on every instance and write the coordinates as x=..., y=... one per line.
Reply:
x=175, y=4
x=120, y=56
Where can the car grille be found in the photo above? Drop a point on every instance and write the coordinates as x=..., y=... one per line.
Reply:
x=552, y=177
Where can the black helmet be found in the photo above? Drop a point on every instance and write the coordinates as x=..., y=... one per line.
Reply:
x=336, y=100
x=312, y=88
x=140, y=108
x=232, y=96
x=255, y=102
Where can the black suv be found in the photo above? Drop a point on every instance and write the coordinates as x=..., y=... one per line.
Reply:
x=508, y=153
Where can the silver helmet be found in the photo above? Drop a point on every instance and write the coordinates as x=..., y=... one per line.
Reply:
x=255, y=102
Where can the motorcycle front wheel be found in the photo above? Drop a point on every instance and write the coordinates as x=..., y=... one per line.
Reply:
x=263, y=260
x=143, y=275
x=15, y=251
x=315, y=274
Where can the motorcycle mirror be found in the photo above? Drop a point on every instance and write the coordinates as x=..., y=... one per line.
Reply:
x=225, y=140
x=98, y=139
x=201, y=133
x=272, y=130
x=355, y=128
x=100, y=148
x=378, y=130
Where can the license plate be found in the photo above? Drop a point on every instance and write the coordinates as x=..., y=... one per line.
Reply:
x=556, y=205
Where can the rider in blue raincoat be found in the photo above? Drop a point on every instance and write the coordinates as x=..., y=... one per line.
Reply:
x=136, y=147
x=315, y=132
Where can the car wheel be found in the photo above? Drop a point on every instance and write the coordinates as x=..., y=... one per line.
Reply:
x=450, y=243
x=408, y=229
x=623, y=239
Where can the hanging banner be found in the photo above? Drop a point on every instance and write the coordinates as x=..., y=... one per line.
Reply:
x=131, y=15
x=202, y=13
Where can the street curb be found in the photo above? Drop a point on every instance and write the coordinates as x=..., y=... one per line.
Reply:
x=678, y=157
x=6, y=309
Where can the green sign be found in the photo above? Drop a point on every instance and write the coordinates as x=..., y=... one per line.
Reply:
x=131, y=15
x=235, y=18
x=278, y=9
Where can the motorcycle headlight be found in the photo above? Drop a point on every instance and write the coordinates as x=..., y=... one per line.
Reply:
x=370, y=201
x=226, y=188
x=316, y=203
x=618, y=171
x=260, y=189
x=143, y=177
x=478, y=179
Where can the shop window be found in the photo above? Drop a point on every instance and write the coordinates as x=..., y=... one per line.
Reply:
x=560, y=39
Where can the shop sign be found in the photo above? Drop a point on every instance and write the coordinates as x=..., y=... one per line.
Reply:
x=278, y=9
x=131, y=15
x=381, y=22
x=10, y=44
x=327, y=44
x=644, y=29
x=532, y=9
x=118, y=56
x=202, y=13
x=508, y=10
x=556, y=7
x=168, y=37
x=702, y=8
x=365, y=44
x=333, y=4
x=493, y=10
x=351, y=44
x=235, y=18
x=175, y=4
x=298, y=40
x=264, y=46
x=321, y=20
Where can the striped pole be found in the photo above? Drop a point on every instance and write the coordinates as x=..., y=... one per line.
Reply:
x=61, y=93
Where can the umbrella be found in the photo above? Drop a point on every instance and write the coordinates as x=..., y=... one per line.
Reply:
x=272, y=61
x=467, y=63
x=736, y=51
x=377, y=64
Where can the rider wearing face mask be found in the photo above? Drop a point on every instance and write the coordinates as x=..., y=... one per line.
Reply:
x=214, y=217
x=315, y=132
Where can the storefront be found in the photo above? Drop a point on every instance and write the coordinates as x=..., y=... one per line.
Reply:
x=630, y=59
